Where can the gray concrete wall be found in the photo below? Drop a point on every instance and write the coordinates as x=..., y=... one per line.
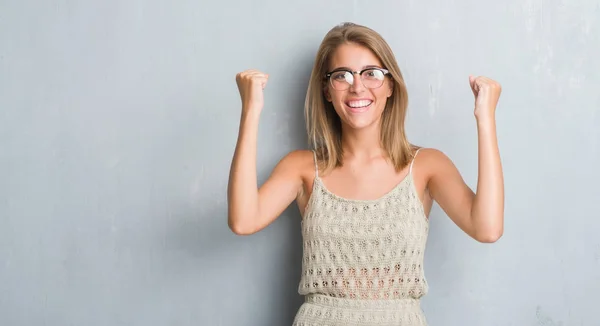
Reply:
x=118, y=121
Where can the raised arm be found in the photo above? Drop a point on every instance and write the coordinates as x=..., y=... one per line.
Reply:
x=480, y=214
x=250, y=209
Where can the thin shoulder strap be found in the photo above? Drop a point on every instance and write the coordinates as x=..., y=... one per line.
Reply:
x=316, y=165
x=413, y=161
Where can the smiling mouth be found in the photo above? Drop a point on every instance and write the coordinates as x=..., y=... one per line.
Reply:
x=359, y=105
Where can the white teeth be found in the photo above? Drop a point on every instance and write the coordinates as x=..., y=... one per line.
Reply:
x=359, y=104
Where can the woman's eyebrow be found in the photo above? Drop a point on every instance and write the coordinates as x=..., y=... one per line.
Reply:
x=364, y=67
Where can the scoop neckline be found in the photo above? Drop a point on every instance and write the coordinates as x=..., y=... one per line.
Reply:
x=356, y=200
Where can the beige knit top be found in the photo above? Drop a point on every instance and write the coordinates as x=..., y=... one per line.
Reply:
x=364, y=249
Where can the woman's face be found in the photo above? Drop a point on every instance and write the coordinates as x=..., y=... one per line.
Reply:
x=357, y=105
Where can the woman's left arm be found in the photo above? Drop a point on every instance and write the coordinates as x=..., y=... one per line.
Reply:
x=480, y=214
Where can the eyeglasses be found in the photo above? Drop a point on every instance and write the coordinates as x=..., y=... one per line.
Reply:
x=341, y=79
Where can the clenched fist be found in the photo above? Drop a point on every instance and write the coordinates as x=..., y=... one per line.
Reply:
x=487, y=93
x=251, y=84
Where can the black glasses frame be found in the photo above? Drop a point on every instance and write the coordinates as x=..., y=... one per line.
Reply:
x=383, y=70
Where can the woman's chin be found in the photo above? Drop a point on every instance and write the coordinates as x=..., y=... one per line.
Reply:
x=359, y=122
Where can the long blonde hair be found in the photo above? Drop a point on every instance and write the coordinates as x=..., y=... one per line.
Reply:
x=322, y=122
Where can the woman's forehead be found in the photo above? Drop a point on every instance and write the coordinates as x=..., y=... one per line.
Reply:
x=353, y=57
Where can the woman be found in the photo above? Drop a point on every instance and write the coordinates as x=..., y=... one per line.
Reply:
x=364, y=194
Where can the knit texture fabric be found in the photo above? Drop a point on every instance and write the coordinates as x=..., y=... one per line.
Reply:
x=362, y=260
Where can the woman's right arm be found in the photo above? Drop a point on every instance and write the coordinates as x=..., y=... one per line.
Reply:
x=251, y=209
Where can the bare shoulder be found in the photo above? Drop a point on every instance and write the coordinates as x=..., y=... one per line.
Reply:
x=288, y=178
x=437, y=171
x=432, y=162
x=432, y=158
x=305, y=166
x=297, y=164
x=299, y=160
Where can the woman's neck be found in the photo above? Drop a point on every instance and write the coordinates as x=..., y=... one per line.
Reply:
x=362, y=143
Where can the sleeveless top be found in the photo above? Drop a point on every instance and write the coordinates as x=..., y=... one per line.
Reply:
x=364, y=249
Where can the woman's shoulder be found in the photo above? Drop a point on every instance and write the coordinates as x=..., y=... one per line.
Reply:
x=299, y=156
x=300, y=160
x=430, y=159
x=426, y=151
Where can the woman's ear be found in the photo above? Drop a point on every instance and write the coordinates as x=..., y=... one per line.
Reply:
x=390, y=88
x=326, y=93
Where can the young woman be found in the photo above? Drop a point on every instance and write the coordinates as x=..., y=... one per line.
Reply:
x=365, y=191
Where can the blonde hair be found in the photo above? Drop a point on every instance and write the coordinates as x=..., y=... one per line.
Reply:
x=322, y=122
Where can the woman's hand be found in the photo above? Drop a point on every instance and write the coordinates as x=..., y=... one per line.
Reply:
x=487, y=93
x=251, y=84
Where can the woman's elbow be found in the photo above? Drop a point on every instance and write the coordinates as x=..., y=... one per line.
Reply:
x=490, y=236
x=240, y=228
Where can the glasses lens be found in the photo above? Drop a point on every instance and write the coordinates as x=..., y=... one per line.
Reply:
x=372, y=78
x=341, y=80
